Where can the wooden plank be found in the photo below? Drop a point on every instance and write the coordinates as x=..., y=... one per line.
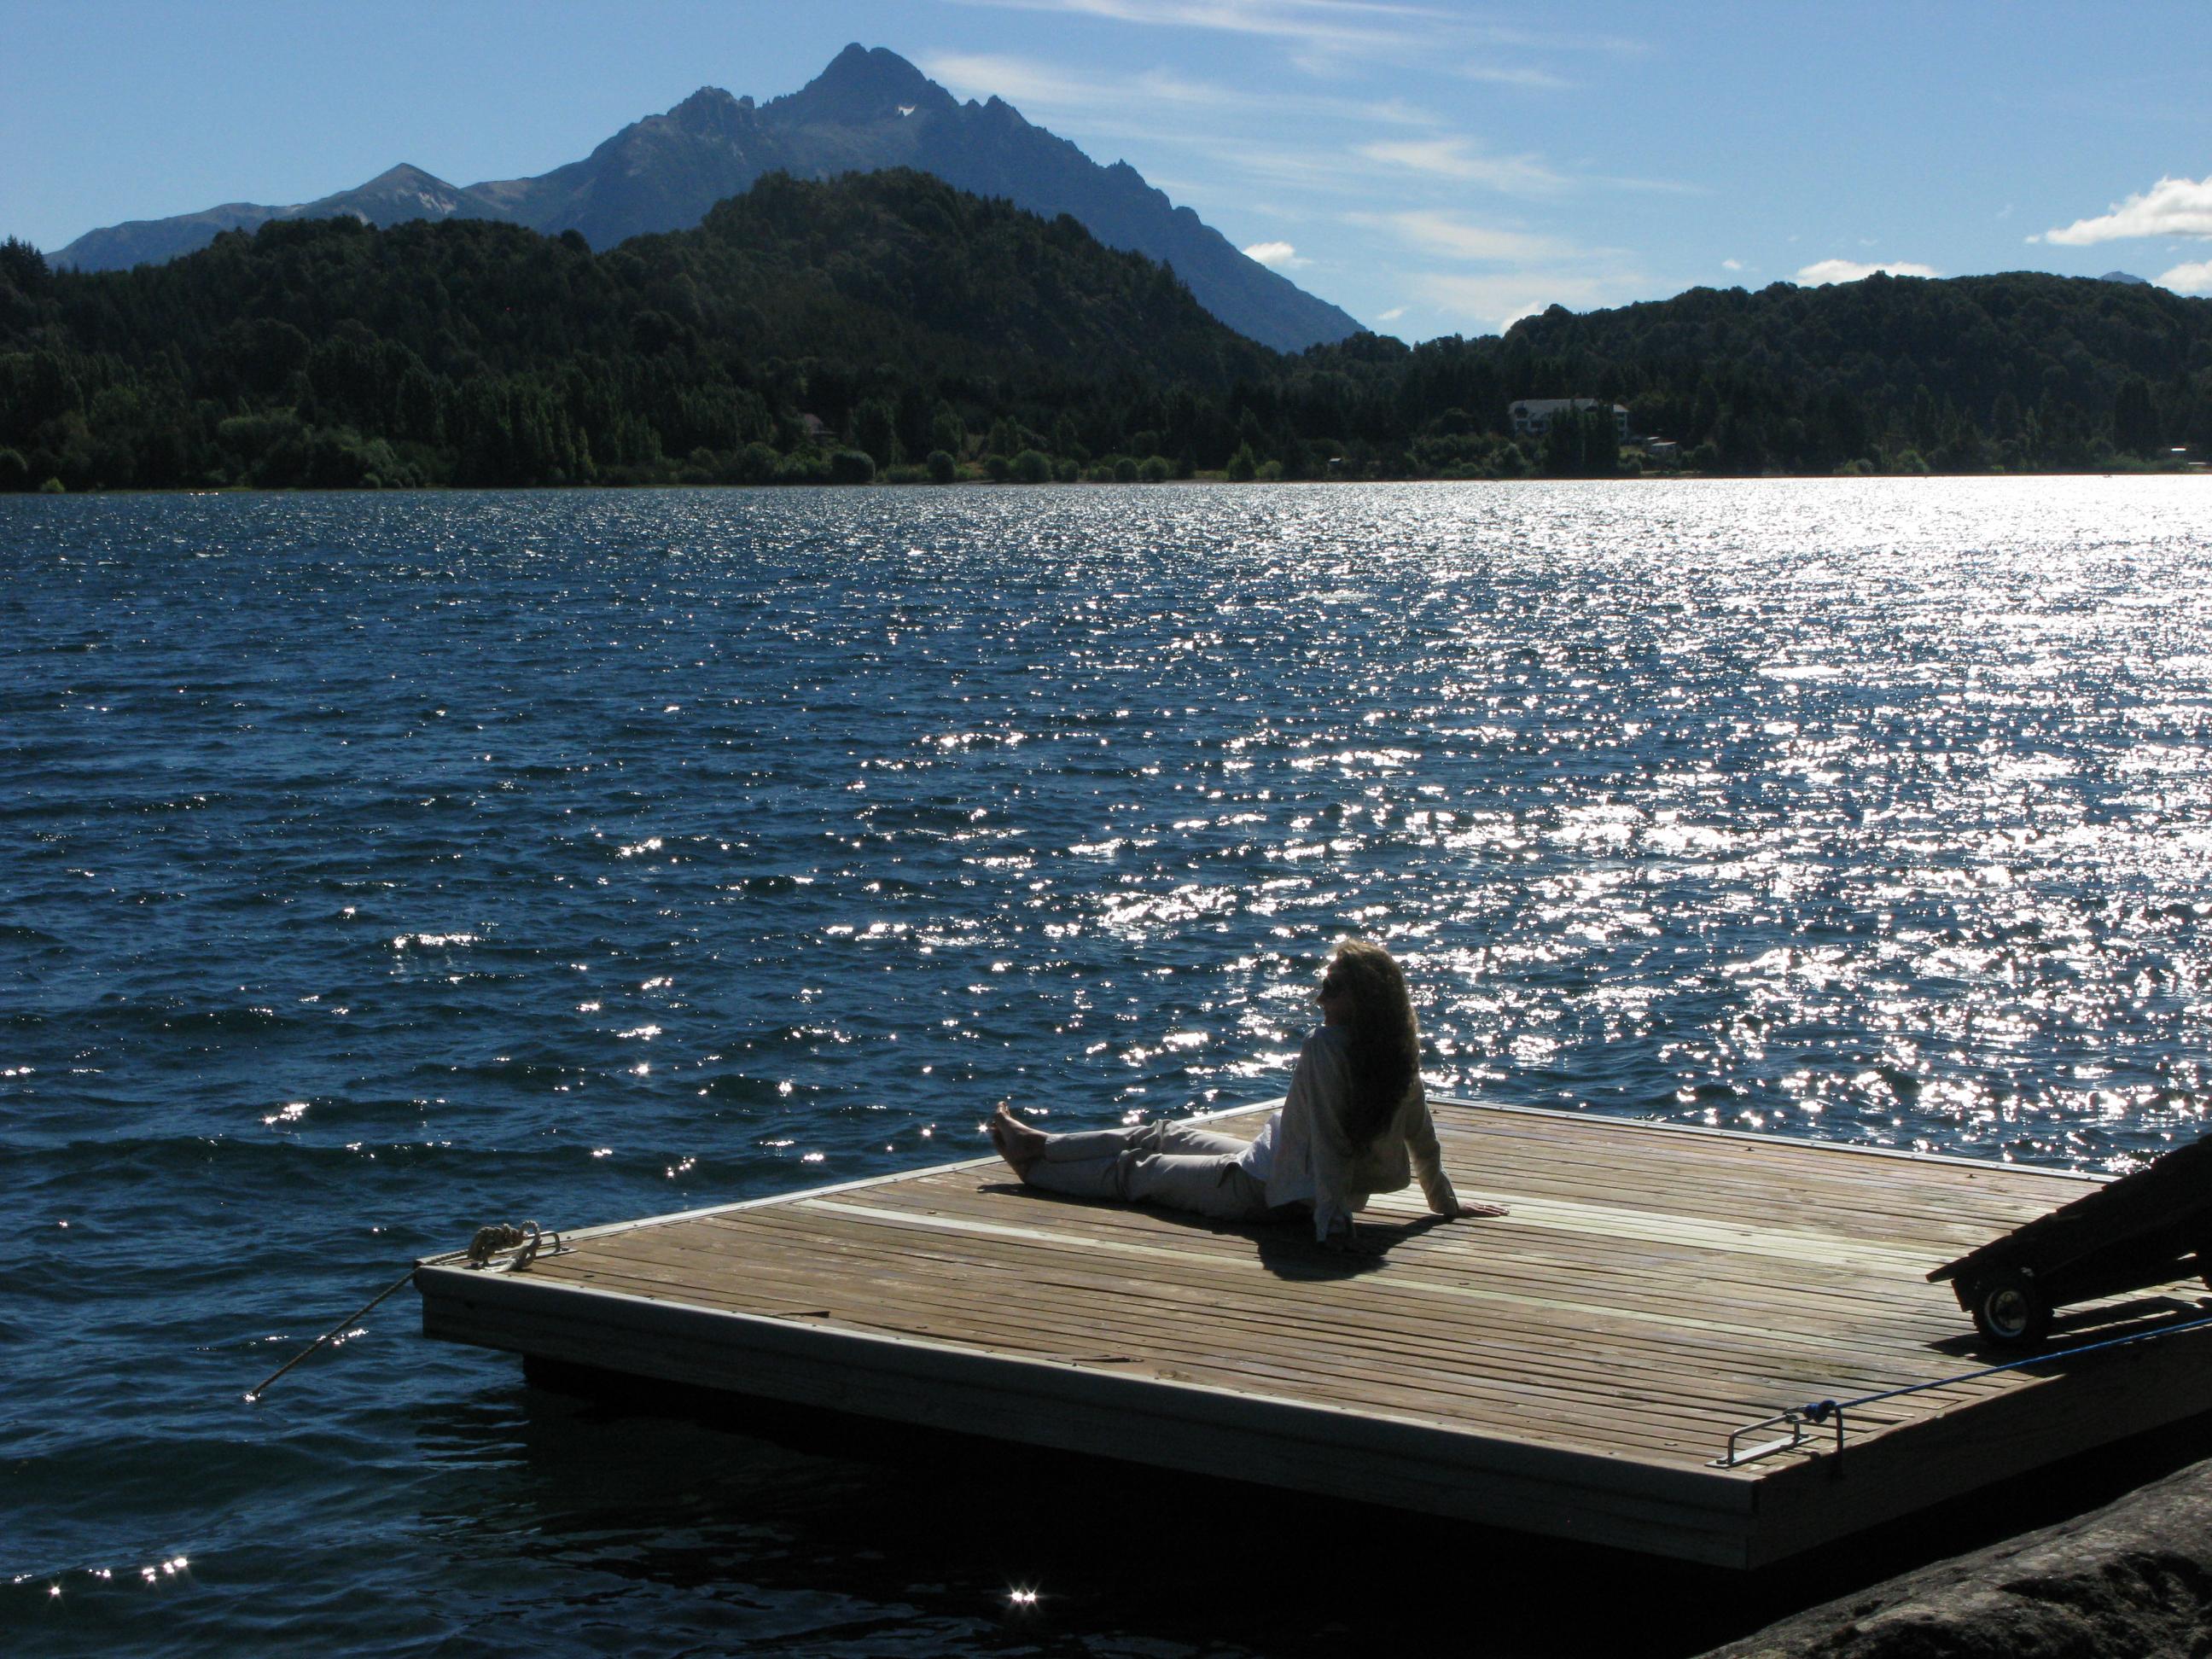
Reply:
x=1389, y=1378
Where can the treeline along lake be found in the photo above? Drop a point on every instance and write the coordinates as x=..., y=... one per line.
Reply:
x=887, y=325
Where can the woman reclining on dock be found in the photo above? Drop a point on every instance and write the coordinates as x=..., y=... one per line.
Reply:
x=1355, y=1123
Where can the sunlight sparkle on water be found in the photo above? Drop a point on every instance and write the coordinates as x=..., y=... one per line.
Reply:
x=1870, y=811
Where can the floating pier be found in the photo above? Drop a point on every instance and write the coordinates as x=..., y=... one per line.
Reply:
x=1575, y=1369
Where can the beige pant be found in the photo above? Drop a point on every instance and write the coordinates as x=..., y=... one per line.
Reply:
x=1170, y=1165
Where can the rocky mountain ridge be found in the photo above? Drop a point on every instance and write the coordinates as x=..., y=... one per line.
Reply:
x=869, y=109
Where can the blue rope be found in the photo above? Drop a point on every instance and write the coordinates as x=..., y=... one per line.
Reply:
x=1821, y=1411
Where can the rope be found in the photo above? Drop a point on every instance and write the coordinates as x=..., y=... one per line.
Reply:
x=1821, y=1410
x=524, y=1240
x=253, y=1394
x=490, y=1241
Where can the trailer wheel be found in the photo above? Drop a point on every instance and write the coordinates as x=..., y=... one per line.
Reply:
x=2010, y=1310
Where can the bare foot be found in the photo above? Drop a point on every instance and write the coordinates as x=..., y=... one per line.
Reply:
x=1015, y=1141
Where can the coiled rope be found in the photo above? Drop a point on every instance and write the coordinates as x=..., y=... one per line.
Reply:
x=490, y=1241
x=525, y=1240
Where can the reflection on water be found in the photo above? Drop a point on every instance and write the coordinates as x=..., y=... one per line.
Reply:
x=382, y=866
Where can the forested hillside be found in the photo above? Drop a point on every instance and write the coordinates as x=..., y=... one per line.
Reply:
x=2021, y=370
x=886, y=323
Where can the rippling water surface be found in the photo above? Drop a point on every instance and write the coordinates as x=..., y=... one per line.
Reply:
x=379, y=866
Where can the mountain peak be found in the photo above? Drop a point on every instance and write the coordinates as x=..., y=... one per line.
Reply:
x=397, y=194
x=710, y=101
x=406, y=176
x=710, y=112
x=863, y=84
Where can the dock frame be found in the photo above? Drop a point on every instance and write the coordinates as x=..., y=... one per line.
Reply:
x=1575, y=1369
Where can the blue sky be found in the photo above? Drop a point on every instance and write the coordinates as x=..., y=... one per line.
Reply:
x=1433, y=167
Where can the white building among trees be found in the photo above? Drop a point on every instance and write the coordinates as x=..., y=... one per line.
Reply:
x=1532, y=417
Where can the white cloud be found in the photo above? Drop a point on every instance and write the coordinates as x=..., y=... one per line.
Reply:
x=1851, y=270
x=1136, y=100
x=1731, y=264
x=1237, y=128
x=1659, y=186
x=1506, y=35
x=1329, y=26
x=1449, y=234
x=2189, y=279
x=1395, y=111
x=1319, y=32
x=1276, y=255
x=1498, y=301
x=1458, y=161
x=1500, y=75
x=1503, y=275
x=2172, y=207
x=1317, y=170
x=1019, y=81
x=1455, y=158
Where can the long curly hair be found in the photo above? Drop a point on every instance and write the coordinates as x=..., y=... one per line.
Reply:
x=1383, y=1038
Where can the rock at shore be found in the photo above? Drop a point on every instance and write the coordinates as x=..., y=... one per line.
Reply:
x=2130, y=1580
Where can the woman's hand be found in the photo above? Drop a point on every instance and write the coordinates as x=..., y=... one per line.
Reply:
x=1481, y=1207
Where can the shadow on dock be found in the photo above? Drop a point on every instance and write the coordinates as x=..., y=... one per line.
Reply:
x=1286, y=1248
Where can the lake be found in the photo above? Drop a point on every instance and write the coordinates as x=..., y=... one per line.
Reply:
x=381, y=866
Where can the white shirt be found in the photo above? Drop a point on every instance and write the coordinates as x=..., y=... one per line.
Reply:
x=1302, y=1155
x=1259, y=1162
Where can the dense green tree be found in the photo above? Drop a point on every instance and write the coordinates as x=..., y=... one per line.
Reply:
x=2135, y=419
x=946, y=431
x=1582, y=444
x=23, y=267
x=875, y=429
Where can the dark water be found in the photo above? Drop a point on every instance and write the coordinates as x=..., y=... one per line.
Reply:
x=377, y=867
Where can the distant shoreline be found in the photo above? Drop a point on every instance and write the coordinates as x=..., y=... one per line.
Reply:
x=2194, y=469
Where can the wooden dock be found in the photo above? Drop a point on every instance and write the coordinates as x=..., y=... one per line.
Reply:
x=1573, y=1369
